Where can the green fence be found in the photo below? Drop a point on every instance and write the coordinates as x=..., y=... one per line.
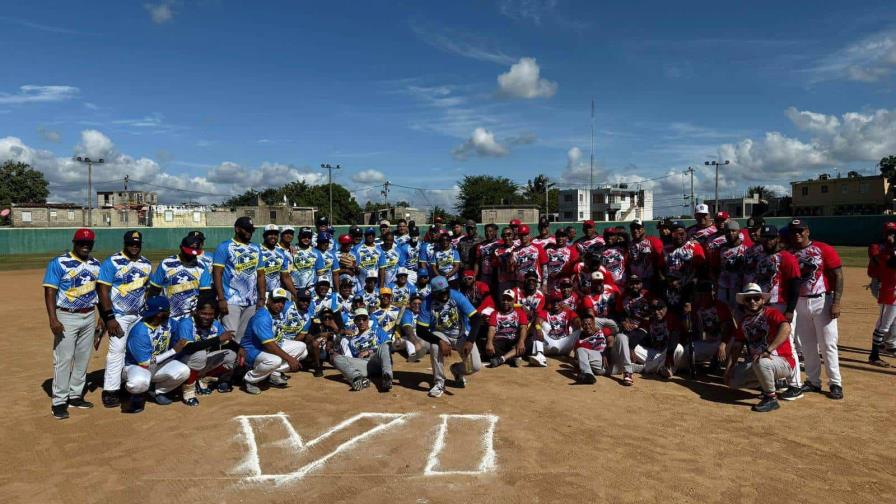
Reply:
x=850, y=230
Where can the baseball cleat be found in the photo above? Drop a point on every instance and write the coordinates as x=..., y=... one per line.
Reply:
x=277, y=380
x=808, y=387
x=587, y=378
x=768, y=403
x=495, y=362
x=160, y=398
x=365, y=383
x=387, y=382
x=538, y=360
x=135, y=404
x=191, y=401
x=60, y=411
x=459, y=380
x=318, y=373
x=836, y=392
x=77, y=402
x=792, y=393
x=224, y=387
x=251, y=388
x=627, y=379
x=357, y=384
x=111, y=399
x=202, y=389
x=437, y=391
x=515, y=362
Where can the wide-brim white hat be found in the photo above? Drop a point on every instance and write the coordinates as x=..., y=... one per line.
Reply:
x=751, y=290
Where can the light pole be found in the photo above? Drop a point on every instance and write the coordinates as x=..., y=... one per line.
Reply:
x=716, y=164
x=89, y=163
x=330, y=168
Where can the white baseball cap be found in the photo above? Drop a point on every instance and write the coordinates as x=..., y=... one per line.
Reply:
x=272, y=227
x=384, y=222
x=597, y=275
x=289, y=229
x=360, y=312
x=401, y=271
x=279, y=293
x=701, y=208
x=509, y=293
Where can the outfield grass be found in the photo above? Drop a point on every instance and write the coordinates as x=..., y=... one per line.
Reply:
x=851, y=256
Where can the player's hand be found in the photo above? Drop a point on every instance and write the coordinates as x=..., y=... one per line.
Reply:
x=789, y=317
x=444, y=348
x=722, y=354
x=56, y=327
x=227, y=336
x=222, y=307
x=468, y=348
x=490, y=349
x=521, y=348
x=114, y=328
x=293, y=364
x=241, y=357
x=835, y=310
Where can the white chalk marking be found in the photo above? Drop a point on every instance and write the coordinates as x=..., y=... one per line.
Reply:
x=488, y=463
x=252, y=464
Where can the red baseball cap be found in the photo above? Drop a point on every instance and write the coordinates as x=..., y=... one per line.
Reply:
x=555, y=296
x=483, y=288
x=469, y=273
x=588, y=224
x=607, y=331
x=345, y=239
x=515, y=222
x=723, y=216
x=523, y=230
x=84, y=234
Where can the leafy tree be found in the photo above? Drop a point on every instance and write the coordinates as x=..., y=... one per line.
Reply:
x=19, y=183
x=534, y=193
x=477, y=191
x=300, y=193
x=887, y=167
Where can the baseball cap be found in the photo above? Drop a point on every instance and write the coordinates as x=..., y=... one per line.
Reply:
x=346, y=279
x=483, y=288
x=722, y=216
x=133, y=237
x=198, y=234
x=560, y=232
x=542, y=223
x=345, y=239
x=509, y=293
x=565, y=282
x=288, y=230
x=664, y=223
x=414, y=231
x=438, y=284
x=676, y=225
x=360, y=312
x=324, y=238
x=322, y=221
x=385, y=290
x=522, y=230
x=245, y=223
x=384, y=222
x=402, y=271
x=701, y=209
x=796, y=224
x=370, y=231
x=555, y=296
x=155, y=305
x=355, y=231
x=768, y=231
x=588, y=224
x=84, y=234
x=323, y=281
x=597, y=275
x=281, y=293
x=732, y=226
x=423, y=272
x=515, y=222
x=636, y=223
x=305, y=232
x=191, y=245
x=469, y=273
x=271, y=229
x=470, y=223
x=530, y=274
x=371, y=279
x=633, y=278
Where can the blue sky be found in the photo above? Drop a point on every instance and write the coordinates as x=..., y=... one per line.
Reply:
x=214, y=96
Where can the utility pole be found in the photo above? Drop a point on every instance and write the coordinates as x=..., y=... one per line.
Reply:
x=330, y=168
x=127, y=212
x=385, y=193
x=591, y=185
x=546, y=196
x=89, y=162
x=690, y=171
x=716, y=164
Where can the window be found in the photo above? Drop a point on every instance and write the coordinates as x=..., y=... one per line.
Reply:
x=26, y=216
x=169, y=216
x=844, y=189
x=824, y=189
x=805, y=191
x=581, y=197
x=53, y=214
x=864, y=187
x=197, y=217
x=273, y=215
x=568, y=198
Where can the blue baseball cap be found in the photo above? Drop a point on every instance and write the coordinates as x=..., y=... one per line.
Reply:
x=438, y=284
x=423, y=272
x=324, y=237
x=156, y=305
x=370, y=231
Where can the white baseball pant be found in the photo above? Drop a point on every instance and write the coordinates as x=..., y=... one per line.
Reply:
x=167, y=376
x=115, y=354
x=818, y=333
x=883, y=329
x=267, y=363
x=558, y=346
x=795, y=379
x=651, y=360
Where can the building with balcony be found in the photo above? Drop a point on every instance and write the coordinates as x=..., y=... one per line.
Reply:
x=617, y=202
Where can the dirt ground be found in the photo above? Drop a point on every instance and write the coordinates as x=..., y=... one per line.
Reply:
x=554, y=441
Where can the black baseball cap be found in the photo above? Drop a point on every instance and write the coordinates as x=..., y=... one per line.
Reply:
x=198, y=234
x=768, y=231
x=303, y=295
x=305, y=232
x=355, y=231
x=796, y=225
x=133, y=237
x=414, y=231
x=245, y=223
x=323, y=221
x=676, y=225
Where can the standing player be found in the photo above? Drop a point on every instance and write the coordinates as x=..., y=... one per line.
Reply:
x=264, y=351
x=591, y=242
x=614, y=255
x=444, y=260
x=561, y=258
x=529, y=257
x=326, y=262
x=483, y=263
x=122, y=290
x=274, y=261
x=882, y=268
x=704, y=228
x=70, y=297
x=684, y=260
x=239, y=278
x=348, y=262
x=466, y=245
x=645, y=254
x=412, y=248
x=182, y=278
x=729, y=264
x=391, y=259
x=818, y=308
x=304, y=259
x=368, y=255
x=604, y=300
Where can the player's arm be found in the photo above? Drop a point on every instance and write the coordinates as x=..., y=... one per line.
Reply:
x=260, y=286
x=521, y=342
x=837, y=277
x=218, y=276
x=50, y=301
x=782, y=336
x=490, y=341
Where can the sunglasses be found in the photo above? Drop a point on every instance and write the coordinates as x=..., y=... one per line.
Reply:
x=657, y=308
x=752, y=299
x=82, y=243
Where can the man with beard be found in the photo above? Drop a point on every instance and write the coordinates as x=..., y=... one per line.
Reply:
x=473, y=289
x=528, y=258
x=264, y=350
x=200, y=342
x=304, y=258
x=402, y=290
x=466, y=245
x=412, y=250
x=444, y=259
x=728, y=265
x=635, y=304
x=704, y=228
x=657, y=350
x=645, y=254
x=507, y=330
x=368, y=254
x=591, y=241
x=561, y=258
x=685, y=260
x=569, y=297
x=483, y=255
x=599, y=336
x=604, y=300
x=275, y=262
x=614, y=255
x=502, y=262
x=557, y=327
x=239, y=278
x=391, y=258
x=326, y=262
x=365, y=354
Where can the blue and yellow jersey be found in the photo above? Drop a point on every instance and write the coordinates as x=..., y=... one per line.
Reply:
x=74, y=281
x=128, y=281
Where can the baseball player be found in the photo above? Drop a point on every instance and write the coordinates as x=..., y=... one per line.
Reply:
x=391, y=259
x=239, y=278
x=604, y=300
x=200, y=342
x=728, y=264
x=558, y=327
x=387, y=315
x=544, y=237
x=326, y=263
x=598, y=336
x=70, y=297
x=502, y=264
x=264, y=350
x=466, y=245
x=507, y=332
x=591, y=242
x=368, y=254
x=287, y=234
x=657, y=350
x=402, y=289
x=882, y=268
x=414, y=346
x=482, y=264
x=122, y=289
x=304, y=258
x=150, y=358
x=323, y=227
x=561, y=258
x=444, y=259
x=684, y=260
x=365, y=353
x=321, y=338
x=447, y=320
x=412, y=248
x=371, y=294
x=571, y=298
x=766, y=334
x=645, y=254
x=704, y=228
x=712, y=328
x=347, y=261
x=402, y=232
x=818, y=308
x=614, y=256
x=275, y=261
x=528, y=257
x=182, y=278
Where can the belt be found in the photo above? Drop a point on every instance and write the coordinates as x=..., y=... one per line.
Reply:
x=79, y=310
x=816, y=296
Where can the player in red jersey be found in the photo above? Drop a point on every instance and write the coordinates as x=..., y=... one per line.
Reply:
x=507, y=331
x=645, y=254
x=882, y=268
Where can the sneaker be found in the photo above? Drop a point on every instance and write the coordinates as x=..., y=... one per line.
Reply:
x=768, y=403
x=188, y=394
x=60, y=411
x=437, y=391
x=365, y=383
x=285, y=376
x=191, y=402
x=135, y=404
x=538, y=360
x=202, y=389
x=587, y=378
x=387, y=382
x=809, y=387
x=627, y=379
x=251, y=388
x=357, y=384
x=495, y=362
x=77, y=402
x=836, y=392
x=277, y=380
x=792, y=393
x=459, y=380
x=160, y=399
x=318, y=373
x=515, y=362
x=224, y=387
x=111, y=399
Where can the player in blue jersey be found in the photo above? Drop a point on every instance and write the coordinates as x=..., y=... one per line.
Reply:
x=203, y=258
x=122, y=292
x=391, y=259
x=275, y=261
x=264, y=350
x=181, y=277
x=206, y=348
x=70, y=297
x=326, y=263
x=368, y=254
x=239, y=278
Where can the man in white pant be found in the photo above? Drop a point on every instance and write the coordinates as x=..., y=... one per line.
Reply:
x=150, y=358
x=882, y=270
x=239, y=278
x=557, y=327
x=265, y=351
x=821, y=289
x=122, y=288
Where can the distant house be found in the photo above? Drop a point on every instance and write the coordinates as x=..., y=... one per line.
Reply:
x=853, y=194
x=392, y=214
x=617, y=202
x=502, y=214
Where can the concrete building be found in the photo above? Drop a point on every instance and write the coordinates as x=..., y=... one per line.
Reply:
x=853, y=194
x=48, y=215
x=617, y=202
x=115, y=199
x=502, y=214
x=392, y=214
x=179, y=216
x=261, y=214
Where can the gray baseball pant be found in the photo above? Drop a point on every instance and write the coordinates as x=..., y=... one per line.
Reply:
x=71, y=354
x=458, y=368
x=237, y=319
x=763, y=372
x=378, y=364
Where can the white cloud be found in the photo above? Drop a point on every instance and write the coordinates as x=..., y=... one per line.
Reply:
x=868, y=60
x=481, y=143
x=461, y=43
x=523, y=81
x=369, y=177
x=94, y=145
x=49, y=135
x=31, y=93
x=160, y=13
x=578, y=169
x=532, y=10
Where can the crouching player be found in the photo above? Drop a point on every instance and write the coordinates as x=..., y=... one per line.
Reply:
x=766, y=334
x=559, y=327
x=265, y=351
x=365, y=353
x=597, y=336
x=199, y=345
x=657, y=350
x=150, y=358
x=507, y=330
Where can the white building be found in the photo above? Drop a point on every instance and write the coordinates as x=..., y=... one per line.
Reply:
x=617, y=202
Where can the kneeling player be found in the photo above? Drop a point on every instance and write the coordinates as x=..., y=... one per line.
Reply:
x=507, y=328
x=657, y=350
x=365, y=353
x=199, y=343
x=598, y=336
x=559, y=326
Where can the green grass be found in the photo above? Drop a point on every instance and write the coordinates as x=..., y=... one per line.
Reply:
x=856, y=257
